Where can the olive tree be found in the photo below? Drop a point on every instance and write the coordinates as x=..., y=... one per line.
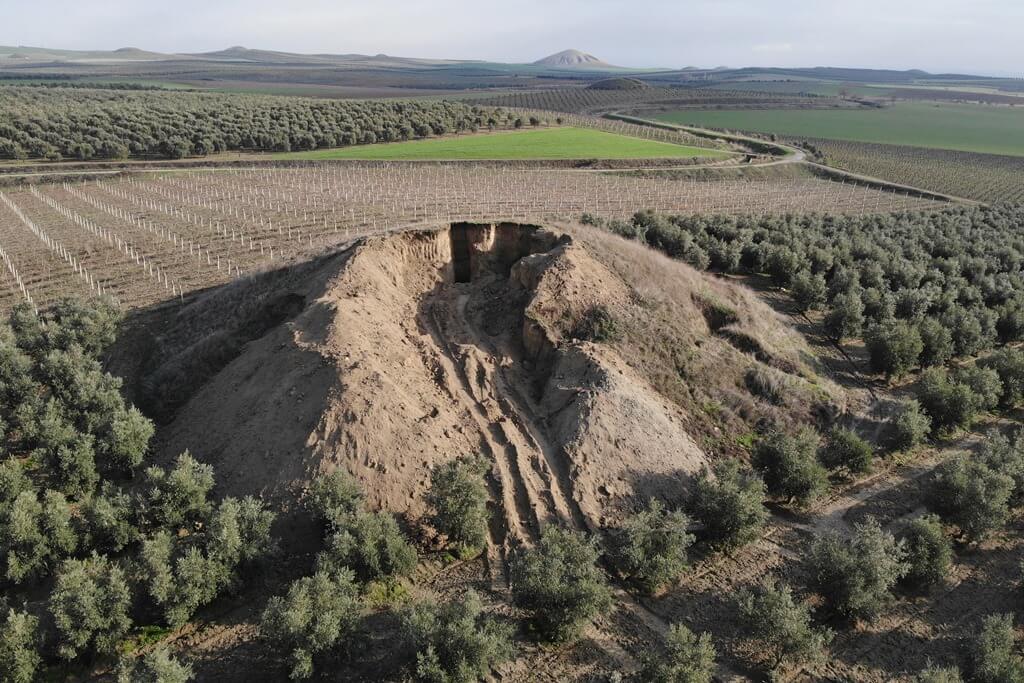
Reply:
x=730, y=503
x=929, y=551
x=458, y=496
x=650, y=548
x=156, y=666
x=844, y=449
x=456, y=642
x=909, y=425
x=688, y=658
x=90, y=606
x=893, y=348
x=559, y=584
x=993, y=652
x=790, y=466
x=857, y=575
x=316, y=614
x=19, y=647
x=781, y=626
x=965, y=492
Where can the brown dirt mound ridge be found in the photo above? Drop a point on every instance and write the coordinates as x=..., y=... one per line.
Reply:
x=405, y=351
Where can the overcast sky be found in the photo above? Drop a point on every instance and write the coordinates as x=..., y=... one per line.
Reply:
x=982, y=36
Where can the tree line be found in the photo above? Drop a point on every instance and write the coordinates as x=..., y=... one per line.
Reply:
x=78, y=123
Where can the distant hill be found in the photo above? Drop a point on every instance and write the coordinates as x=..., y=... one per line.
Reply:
x=571, y=58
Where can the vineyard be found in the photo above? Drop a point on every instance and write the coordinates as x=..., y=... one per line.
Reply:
x=149, y=238
x=984, y=177
x=594, y=101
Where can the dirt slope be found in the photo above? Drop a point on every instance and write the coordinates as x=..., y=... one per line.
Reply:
x=408, y=350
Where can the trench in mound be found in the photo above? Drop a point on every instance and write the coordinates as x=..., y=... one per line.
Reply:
x=476, y=317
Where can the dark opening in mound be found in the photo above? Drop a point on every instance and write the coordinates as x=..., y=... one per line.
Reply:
x=461, y=256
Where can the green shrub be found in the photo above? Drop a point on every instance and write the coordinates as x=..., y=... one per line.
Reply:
x=909, y=425
x=559, y=583
x=455, y=642
x=335, y=497
x=790, y=467
x=318, y=613
x=893, y=347
x=156, y=666
x=993, y=655
x=965, y=492
x=936, y=343
x=857, y=575
x=110, y=520
x=983, y=382
x=372, y=545
x=688, y=658
x=808, y=291
x=90, y=606
x=730, y=504
x=1009, y=366
x=781, y=626
x=651, y=546
x=19, y=647
x=929, y=552
x=35, y=535
x=180, y=496
x=1005, y=455
x=843, y=448
x=458, y=495
x=845, y=317
x=950, y=405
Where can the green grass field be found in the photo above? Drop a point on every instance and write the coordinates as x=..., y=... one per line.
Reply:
x=544, y=143
x=962, y=127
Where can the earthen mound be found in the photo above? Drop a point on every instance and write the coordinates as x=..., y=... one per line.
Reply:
x=407, y=350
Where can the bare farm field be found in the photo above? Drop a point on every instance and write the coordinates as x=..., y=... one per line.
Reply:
x=148, y=238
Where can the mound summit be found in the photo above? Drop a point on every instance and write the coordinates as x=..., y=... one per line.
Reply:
x=571, y=58
x=401, y=352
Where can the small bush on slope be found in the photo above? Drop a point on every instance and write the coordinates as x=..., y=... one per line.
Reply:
x=335, y=497
x=458, y=495
x=372, y=545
